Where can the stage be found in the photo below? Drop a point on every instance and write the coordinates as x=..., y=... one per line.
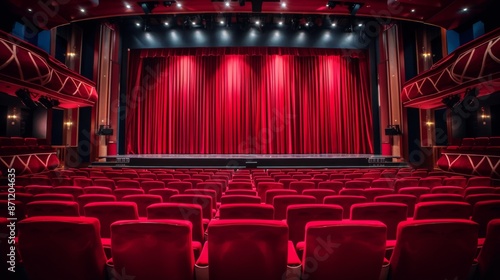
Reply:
x=250, y=161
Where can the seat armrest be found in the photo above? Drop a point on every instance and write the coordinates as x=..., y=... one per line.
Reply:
x=293, y=258
x=201, y=266
x=203, y=258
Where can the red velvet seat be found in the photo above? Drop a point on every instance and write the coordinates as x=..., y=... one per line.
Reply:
x=485, y=211
x=405, y=183
x=270, y=194
x=354, y=250
x=180, y=186
x=371, y=193
x=241, y=192
x=104, y=183
x=120, y=193
x=442, y=210
x=434, y=250
x=389, y=213
x=246, y=250
x=194, y=182
x=52, y=208
x=459, y=182
x=281, y=203
x=62, y=181
x=297, y=216
x=110, y=212
x=416, y=191
x=263, y=187
x=475, y=198
x=180, y=211
x=331, y=185
x=430, y=182
x=408, y=199
x=164, y=193
x=37, y=189
x=478, y=190
x=40, y=180
x=140, y=249
x=128, y=184
x=448, y=189
x=232, y=199
x=479, y=182
x=286, y=182
x=53, y=196
x=216, y=186
x=62, y=248
x=441, y=197
x=97, y=190
x=143, y=201
x=85, y=199
x=345, y=201
x=246, y=211
x=356, y=184
x=239, y=185
x=352, y=192
x=383, y=183
x=74, y=191
x=150, y=185
x=211, y=193
x=319, y=194
x=83, y=182
x=204, y=201
x=489, y=256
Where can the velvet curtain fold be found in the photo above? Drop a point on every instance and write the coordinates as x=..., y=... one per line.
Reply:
x=248, y=100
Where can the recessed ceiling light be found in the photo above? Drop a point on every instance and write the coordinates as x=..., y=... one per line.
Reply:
x=179, y=5
x=360, y=24
x=412, y=10
x=193, y=23
x=465, y=9
x=257, y=22
x=137, y=24
x=227, y=4
x=221, y=22
x=30, y=10
x=82, y=10
x=280, y=23
x=166, y=23
x=128, y=6
x=283, y=5
x=334, y=24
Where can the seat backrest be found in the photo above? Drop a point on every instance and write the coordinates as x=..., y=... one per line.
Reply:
x=151, y=185
x=448, y=189
x=262, y=187
x=85, y=199
x=211, y=193
x=164, y=193
x=97, y=190
x=153, y=249
x=128, y=184
x=204, y=201
x=241, y=192
x=82, y=182
x=231, y=199
x=485, y=211
x=389, y=213
x=475, y=198
x=434, y=249
x=62, y=248
x=459, y=182
x=247, y=249
x=354, y=250
x=143, y=201
x=234, y=185
x=297, y=216
x=246, y=211
x=53, y=196
x=104, y=183
x=442, y=210
x=489, y=256
x=270, y=194
x=345, y=201
x=74, y=191
x=319, y=194
x=331, y=185
x=120, y=193
x=216, y=186
x=179, y=211
x=36, y=189
x=441, y=197
x=479, y=181
x=180, y=186
x=371, y=193
x=281, y=203
x=478, y=190
x=405, y=183
x=357, y=184
x=52, y=208
x=408, y=199
x=110, y=212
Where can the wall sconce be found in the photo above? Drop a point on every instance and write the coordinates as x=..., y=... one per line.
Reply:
x=12, y=119
x=484, y=116
x=71, y=54
x=429, y=123
x=426, y=55
x=68, y=124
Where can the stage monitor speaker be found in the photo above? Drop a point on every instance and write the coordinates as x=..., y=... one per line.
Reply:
x=105, y=130
x=392, y=130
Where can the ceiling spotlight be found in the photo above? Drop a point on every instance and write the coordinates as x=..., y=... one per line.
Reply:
x=465, y=9
x=148, y=7
x=179, y=5
x=360, y=24
x=280, y=22
x=193, y=23
x=257, y=22
x=137, y=24
x=48, y=103
x=283, y=5
x=412, y=10
x=331, y=4
x=166, y=23
x=82, y=10
x=227, y=4
x=221, y=22
x=128, y=6
x=30, y=10
x=334, y=24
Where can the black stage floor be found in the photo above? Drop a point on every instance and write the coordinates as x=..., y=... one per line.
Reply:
x=249, y=161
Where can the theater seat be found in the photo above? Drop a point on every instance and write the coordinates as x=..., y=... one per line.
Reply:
x=484, y=212
x=270, y=194
x=343, y=250
x=389, y=213
x=62, y=248
x=246, y=211
x=442, y=210
x=247, y=250
x=281, y=203
x=52, y=208
x=110, y=212
x=434, y=250
x=143, y=201
x=345, y=201
x=231, y=199
x=297, y=216
x=152, y=249
x=408, y=199
x=441, y=197
x=180, y=211
x=489, y=256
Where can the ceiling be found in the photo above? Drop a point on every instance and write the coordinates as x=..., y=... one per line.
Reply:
x=448, y=14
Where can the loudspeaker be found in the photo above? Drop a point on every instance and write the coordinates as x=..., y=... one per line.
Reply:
x=392, y=130
x=25, y=97
x=105, y=130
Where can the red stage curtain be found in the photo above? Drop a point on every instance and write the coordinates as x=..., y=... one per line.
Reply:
x=248, y=100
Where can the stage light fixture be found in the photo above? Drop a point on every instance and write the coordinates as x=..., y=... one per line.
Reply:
x=451, y=101
x=353, y=8
x=148, y=7
x=25, y=97
x=168, y=3
x=331, y=4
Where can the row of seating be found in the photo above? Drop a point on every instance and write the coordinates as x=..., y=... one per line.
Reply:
x=477, y=145
x=70, y=248
x=20, y=145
